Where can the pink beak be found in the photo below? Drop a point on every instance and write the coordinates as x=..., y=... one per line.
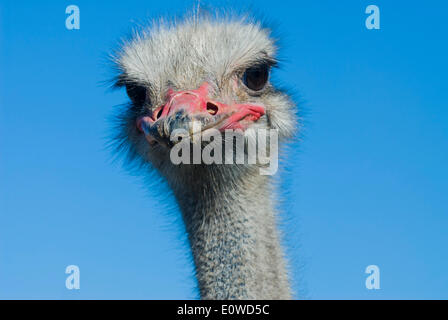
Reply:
x=197, y=102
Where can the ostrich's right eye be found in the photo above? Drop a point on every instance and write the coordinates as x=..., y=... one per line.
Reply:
x=136, y=93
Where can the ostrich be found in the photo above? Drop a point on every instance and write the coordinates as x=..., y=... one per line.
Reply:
x=214, y=70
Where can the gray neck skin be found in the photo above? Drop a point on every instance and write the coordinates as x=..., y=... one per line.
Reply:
x=233, y=236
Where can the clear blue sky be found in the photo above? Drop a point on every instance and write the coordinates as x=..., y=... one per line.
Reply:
x=367, y=185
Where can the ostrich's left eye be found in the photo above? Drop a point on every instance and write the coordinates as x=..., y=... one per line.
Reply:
x=136, y=93
x=255, y=78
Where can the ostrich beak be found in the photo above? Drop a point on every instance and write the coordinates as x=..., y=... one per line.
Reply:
x=185, y=107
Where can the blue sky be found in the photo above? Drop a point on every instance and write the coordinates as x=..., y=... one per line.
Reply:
x=366, y=185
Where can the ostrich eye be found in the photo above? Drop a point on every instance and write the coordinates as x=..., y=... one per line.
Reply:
x=136, y=93
x=255, y=78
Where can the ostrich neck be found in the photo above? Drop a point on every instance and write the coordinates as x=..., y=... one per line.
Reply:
x=233, y=236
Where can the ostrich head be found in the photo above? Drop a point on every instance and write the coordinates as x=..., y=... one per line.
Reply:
x=215, y=72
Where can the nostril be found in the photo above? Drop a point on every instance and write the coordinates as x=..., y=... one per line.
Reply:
x=212, y=108
x=157, y=113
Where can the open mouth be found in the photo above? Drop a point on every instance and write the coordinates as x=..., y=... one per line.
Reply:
x=169, y=130
x=188, y=113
